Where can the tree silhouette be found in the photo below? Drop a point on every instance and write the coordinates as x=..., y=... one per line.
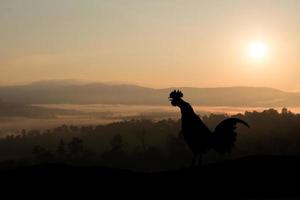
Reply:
x=61, y=150
x=141, y=136
x=42, y=155
x=75, y=148
x=116, y=153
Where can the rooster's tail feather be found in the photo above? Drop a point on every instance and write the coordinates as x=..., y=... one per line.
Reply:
x=224, y=136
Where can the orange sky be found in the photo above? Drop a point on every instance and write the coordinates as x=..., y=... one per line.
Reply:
x=153, y=43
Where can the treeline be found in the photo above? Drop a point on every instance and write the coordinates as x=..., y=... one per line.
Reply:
x=147, y=144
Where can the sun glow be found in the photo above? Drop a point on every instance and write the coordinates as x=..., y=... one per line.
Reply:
x=257, y=51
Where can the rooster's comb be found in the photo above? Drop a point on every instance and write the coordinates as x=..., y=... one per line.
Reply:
x=176, y=94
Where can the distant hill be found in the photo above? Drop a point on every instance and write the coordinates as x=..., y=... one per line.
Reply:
x=76, y=92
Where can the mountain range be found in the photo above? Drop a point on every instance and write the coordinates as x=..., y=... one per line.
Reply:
x=77, y=92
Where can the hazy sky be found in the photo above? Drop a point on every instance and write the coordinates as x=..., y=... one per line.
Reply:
x=156, y=43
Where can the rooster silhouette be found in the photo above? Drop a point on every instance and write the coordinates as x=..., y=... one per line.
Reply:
x=198, y=136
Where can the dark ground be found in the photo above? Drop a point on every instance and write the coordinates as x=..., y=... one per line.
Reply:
x=248, y=177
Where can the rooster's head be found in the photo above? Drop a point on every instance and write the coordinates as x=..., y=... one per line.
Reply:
x=175, y=96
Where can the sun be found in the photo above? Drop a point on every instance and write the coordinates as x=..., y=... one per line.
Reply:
x=257, y=51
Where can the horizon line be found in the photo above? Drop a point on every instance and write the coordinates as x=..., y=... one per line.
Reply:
x=88, y=82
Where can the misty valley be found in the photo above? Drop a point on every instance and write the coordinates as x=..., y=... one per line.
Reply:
x=44, y=116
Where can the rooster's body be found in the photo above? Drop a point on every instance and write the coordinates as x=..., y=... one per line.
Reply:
x=198, y=136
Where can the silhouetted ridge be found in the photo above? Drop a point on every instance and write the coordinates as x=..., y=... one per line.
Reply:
x=251, y=177
x=70, y=91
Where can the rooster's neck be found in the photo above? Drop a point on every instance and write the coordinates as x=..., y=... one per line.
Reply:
x=185, y=108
